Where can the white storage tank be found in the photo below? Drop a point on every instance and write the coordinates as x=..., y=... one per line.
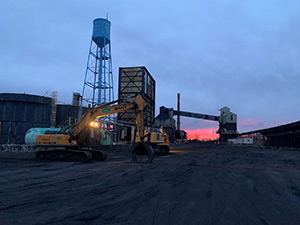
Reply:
x=32, y=133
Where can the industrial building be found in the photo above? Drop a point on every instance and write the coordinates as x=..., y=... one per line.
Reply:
x=134, y=80
x=227, y=121
x=165, y=119
x=284, y=136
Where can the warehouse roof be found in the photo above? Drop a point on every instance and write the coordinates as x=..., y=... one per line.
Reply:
x=286, y=128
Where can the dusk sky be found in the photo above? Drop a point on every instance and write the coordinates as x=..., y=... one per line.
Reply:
x=241, y=54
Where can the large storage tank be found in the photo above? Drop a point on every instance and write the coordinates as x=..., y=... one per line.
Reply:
x=32, y=133
x=133, y=80
x=101, y=32
x=20, y=112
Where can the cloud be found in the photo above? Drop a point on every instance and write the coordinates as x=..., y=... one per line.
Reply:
x=240, y=54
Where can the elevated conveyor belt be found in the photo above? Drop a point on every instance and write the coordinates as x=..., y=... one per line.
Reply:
x=196, y=115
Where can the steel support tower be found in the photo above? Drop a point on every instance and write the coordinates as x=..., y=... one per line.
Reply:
x=98, y=80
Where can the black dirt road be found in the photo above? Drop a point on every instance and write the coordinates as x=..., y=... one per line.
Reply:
x=196, y=184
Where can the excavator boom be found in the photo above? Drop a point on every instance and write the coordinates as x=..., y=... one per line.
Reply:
x=98, y=112
x=101, y=111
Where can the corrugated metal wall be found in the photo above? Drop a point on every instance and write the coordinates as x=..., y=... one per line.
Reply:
x=68, y=114
x=284, y=140
x=20, y=112
x=65, y=112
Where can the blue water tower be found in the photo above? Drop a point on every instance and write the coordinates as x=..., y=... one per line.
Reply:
x=98, y=80
x=101, y=32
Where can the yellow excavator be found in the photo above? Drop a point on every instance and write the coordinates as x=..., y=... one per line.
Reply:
x=77, y=144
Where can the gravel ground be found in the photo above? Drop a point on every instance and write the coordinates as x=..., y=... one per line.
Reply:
x=196, y=184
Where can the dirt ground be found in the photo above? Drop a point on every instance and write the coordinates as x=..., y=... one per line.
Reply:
x=196, y=184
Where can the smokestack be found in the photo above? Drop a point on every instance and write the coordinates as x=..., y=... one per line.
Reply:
x=178, y=109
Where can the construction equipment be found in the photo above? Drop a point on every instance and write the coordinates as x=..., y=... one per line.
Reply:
x=77, y=144
x=157, y=138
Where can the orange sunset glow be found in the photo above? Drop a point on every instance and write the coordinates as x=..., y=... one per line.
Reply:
x=202, y=134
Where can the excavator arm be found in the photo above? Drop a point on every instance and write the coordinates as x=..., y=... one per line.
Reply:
x=101, y=111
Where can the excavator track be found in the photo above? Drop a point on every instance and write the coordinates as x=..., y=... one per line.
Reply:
x=70, y=155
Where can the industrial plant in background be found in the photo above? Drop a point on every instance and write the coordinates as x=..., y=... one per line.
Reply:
x=32, y=115
x=227, y=122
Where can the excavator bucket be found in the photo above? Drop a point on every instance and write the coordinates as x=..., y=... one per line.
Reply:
x=142, y=152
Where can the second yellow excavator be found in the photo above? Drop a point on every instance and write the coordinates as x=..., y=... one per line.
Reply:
x=76, y=144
